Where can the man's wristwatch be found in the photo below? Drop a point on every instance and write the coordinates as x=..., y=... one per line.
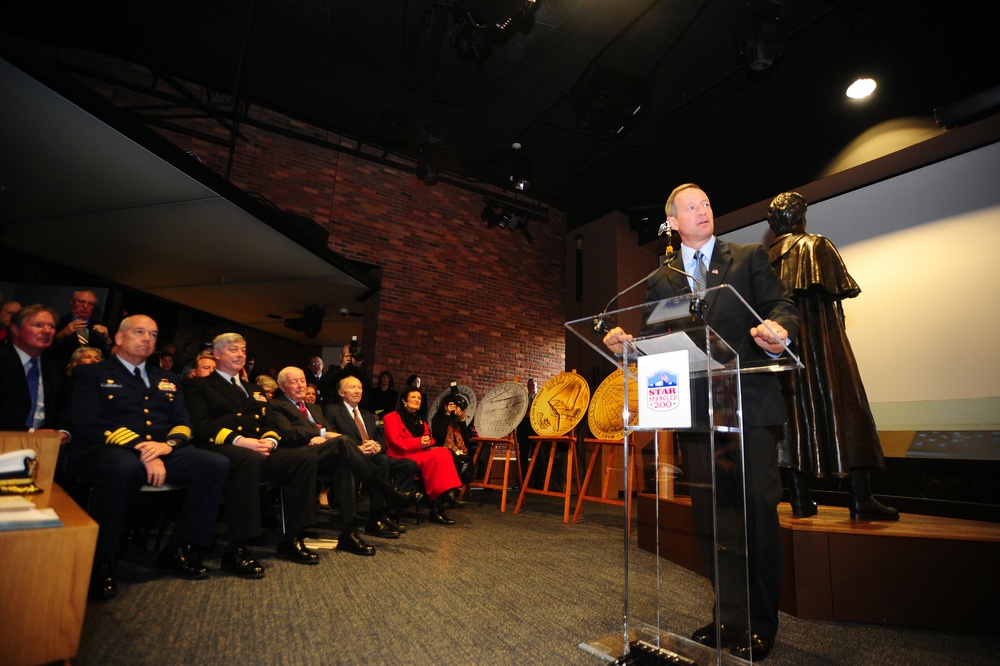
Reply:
x=172, y=443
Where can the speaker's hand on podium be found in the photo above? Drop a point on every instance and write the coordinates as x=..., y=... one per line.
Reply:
x=615, y=338
x=772, y=340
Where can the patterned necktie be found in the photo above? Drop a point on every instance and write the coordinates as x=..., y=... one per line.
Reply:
x=83, y=337
x=700, y=272
x=32, y=390
x=305, y=413
x=361, y=425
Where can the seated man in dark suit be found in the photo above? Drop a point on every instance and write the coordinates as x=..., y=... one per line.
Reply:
x=30, y=384
x=368, y=438
x=303, y=425
x=132, y=428
x=234, y=419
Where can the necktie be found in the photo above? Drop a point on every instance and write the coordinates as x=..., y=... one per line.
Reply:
x=138, y=373
x=238, y=385
x=361, y=425
x=32, y=390
x=305, y=413
x=700, y=272
x=83, y=336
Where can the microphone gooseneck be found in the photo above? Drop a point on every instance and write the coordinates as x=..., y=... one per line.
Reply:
x=599, y=325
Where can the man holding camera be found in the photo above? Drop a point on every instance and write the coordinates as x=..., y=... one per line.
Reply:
x=350, y=366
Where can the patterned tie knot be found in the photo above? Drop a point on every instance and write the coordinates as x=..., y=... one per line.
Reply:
x=700, y=272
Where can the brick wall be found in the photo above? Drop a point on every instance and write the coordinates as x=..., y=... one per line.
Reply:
x=457, y=302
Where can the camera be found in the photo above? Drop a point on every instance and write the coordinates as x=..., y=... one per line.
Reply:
x=356, y=355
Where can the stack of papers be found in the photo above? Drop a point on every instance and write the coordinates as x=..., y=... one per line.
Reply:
x=20, y=513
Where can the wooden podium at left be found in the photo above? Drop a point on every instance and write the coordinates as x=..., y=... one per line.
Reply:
x=46, y=571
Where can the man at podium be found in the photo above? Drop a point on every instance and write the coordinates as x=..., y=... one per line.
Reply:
x=703, y=262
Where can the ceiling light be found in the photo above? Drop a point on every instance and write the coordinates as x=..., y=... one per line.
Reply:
x=862, y=87
x=521, y=173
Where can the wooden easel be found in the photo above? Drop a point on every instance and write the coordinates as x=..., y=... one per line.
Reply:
x=571, y=476
x=610, y=446
x=509, y=444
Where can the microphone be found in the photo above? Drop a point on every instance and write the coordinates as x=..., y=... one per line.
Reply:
x=698, y=304
x=599, y=325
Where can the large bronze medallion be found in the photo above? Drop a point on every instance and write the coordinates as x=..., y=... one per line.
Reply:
x=605, y=413
x=465, y=392
x=501, y=409
x=560, y=404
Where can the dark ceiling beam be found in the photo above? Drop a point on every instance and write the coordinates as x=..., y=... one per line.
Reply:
x=549, y=72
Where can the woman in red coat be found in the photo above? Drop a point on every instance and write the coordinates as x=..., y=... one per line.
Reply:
x=407, y=435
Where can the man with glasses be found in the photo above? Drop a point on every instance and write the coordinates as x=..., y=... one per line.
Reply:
x=314, y=376
x=78, y=328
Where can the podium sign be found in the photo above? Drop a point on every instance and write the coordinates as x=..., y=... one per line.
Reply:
x=664, y=391
x=688, y=381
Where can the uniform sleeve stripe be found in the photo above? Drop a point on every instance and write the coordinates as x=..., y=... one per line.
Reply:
x=220, y=437
x=121, y=436
x=181, y=431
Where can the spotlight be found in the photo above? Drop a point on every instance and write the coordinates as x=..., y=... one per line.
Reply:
x=429, y=161
x=310, y=322
x=470, y=38
x=490, y=215
x=760, y=33
x=521, y=173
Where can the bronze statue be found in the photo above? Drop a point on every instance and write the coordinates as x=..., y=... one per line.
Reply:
x=830, y=431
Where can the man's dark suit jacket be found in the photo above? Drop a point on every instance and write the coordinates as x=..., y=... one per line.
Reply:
x=220, y=412
x=748, y=270
x=296, y=430
x=341, y=421
x=15, y=400
x=62, y=350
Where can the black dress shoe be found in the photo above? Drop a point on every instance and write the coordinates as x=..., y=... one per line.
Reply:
x=102, y=584
x=181, y=562
x=350, y=542
x=871, y=509
x=241, y=563
x=804, y=510
x=707, y=635
x=393, y=496
x=295, y=550
x=438, y=516
x=381, y=528
x=752, y=647
x=451, y=497
x=394, y=524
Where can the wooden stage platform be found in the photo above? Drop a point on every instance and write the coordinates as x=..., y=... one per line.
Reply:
x=923, y=571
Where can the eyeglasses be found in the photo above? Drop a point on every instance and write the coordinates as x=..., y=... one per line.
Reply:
x=89, y=304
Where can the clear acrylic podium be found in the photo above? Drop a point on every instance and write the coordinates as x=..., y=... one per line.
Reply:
x=707, y=477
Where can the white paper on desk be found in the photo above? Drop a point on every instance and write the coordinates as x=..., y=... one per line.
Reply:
x=29, y=519
x=15, y=503
x=698, y=359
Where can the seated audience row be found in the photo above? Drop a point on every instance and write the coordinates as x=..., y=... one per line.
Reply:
x=133, y=423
